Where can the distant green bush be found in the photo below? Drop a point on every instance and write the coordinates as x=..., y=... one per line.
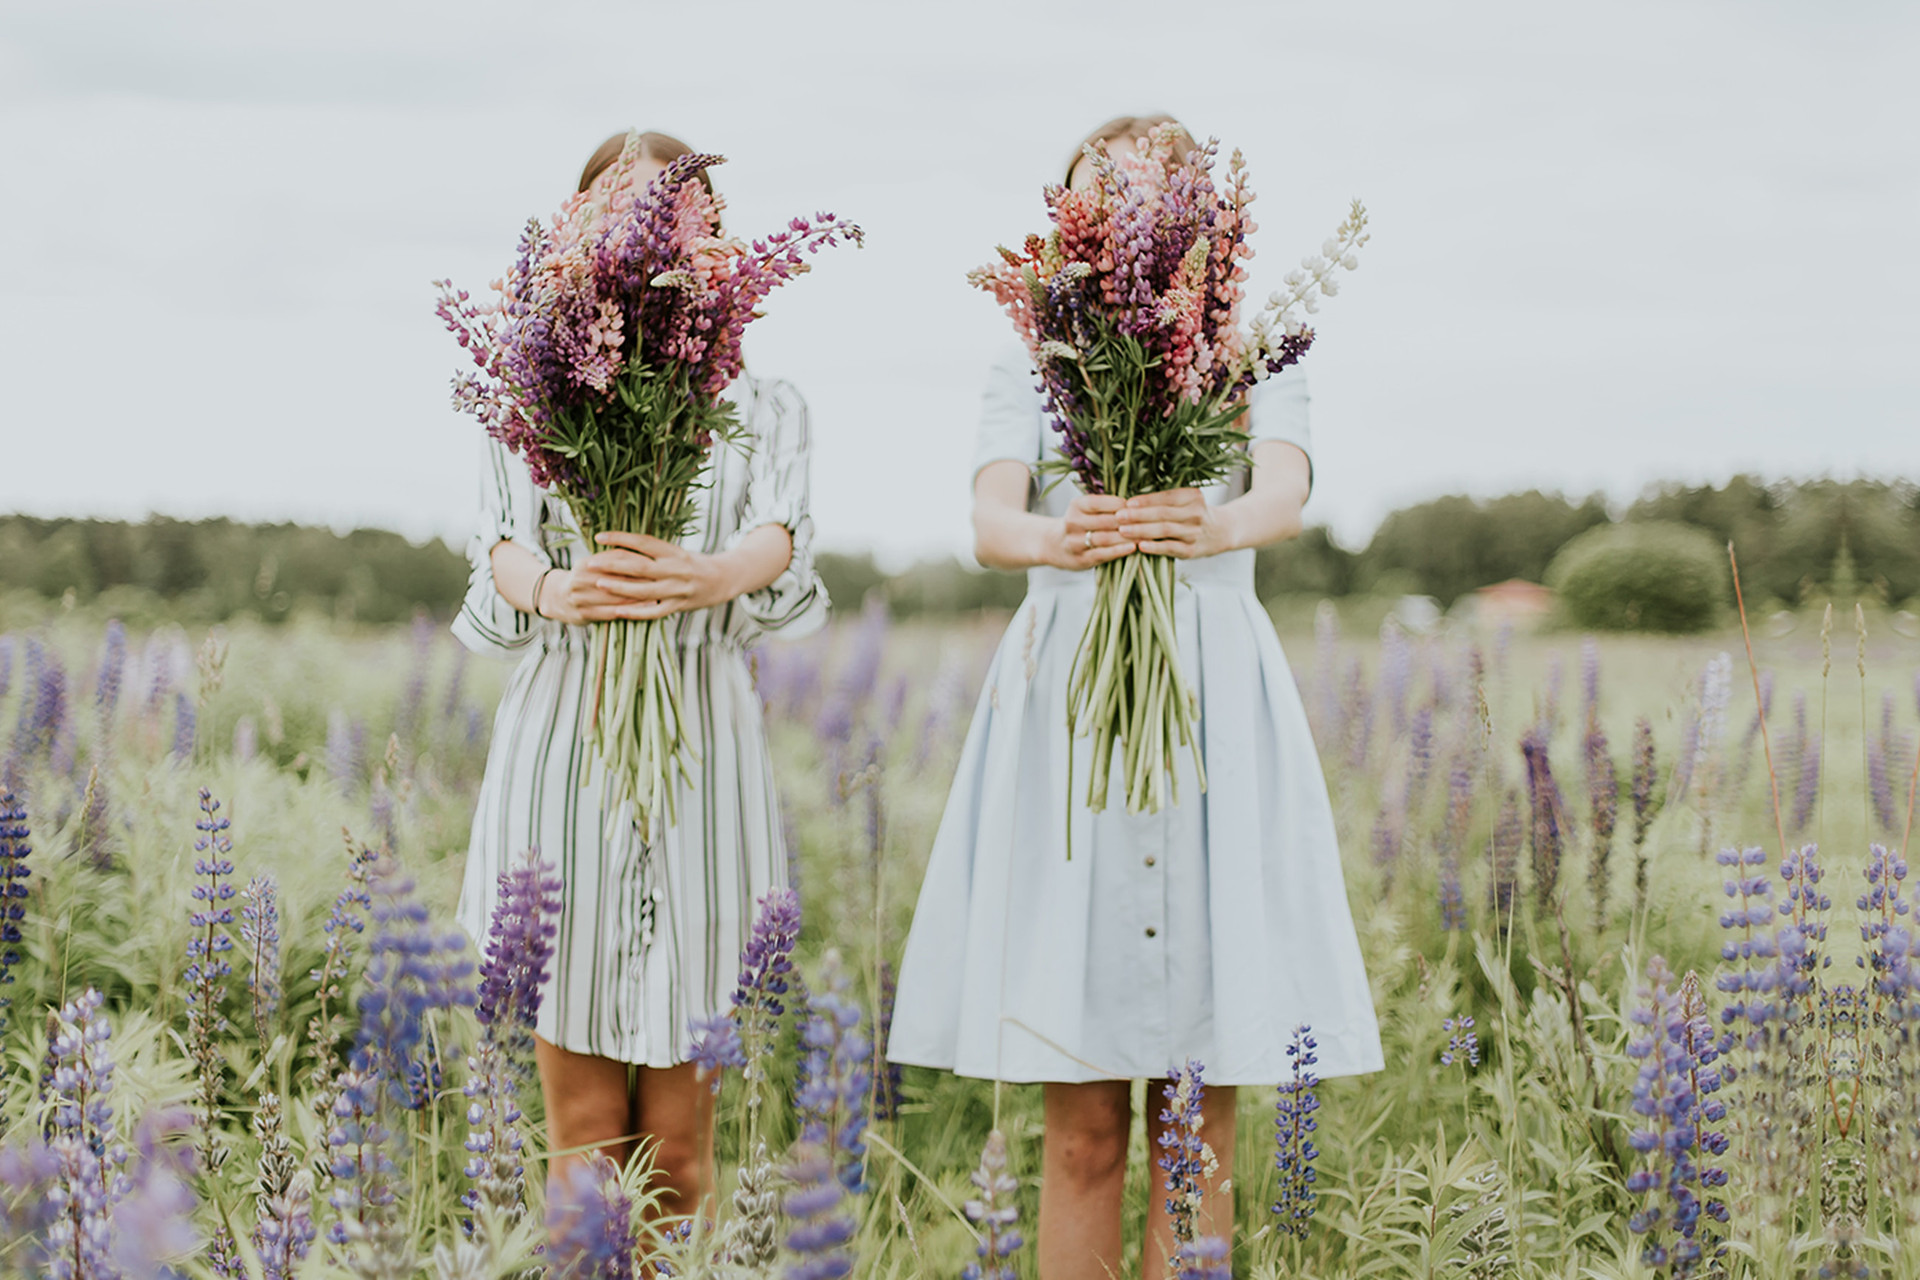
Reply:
x=1650, y=575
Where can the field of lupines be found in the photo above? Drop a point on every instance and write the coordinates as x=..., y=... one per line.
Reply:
x=1635, y=1025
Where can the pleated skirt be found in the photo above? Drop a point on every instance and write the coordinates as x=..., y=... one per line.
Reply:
x=1209, y=930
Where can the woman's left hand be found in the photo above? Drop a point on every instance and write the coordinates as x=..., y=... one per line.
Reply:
x=661, y=577
x=1175, y=522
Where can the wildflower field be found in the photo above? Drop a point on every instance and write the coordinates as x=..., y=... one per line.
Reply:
x=1635, y=1025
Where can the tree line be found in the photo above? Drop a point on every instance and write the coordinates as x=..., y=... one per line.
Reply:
x=1795, y=539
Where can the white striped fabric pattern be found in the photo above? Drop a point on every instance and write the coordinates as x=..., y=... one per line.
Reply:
x=650, y=935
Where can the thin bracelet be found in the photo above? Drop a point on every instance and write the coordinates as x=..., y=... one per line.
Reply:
x=539, y=582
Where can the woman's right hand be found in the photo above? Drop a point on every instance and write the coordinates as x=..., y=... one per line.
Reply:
x=570, y=596
x=1090, y=533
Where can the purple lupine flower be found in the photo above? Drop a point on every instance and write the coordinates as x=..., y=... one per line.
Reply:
x=27, y=1173
x=1589, y=679
x=89, y=1157
x=520, y=943
x=185, y=726
x=1881, y=752
x=832, y=1097
x=365, y=1179
x=1549, y=722
x=1603, y=808
x=1752, y=947
x=414, y=696
x=42, y=707
x=519, y=952
x=113, y=668
x=1357, y=715
x=895, y=705
x=842, y=710
x=344, y=920
x=1672, y=1097
x=1453, y=838
x=413, y=972
x=745, y=1034
x=1463, y=1042
x=1294, y=1128
x=14, y=851
x=994, y=1213
x=456, y=685
x=1419, y=759
x=1887, y=913
x=1207, y=1258
x=1396, y=672
x=1184, y=1158
x=345, y=763
x=1646, y=775
x=208, y=968
x=1385, y=839
x=1548, y=810
x=260, y=935
x=886, y=1074
x=153, y=1218
x=283, y=1232
x=1503, y=855
x=822, y=1230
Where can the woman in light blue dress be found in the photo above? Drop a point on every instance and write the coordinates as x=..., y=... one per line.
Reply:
x=1209, y=930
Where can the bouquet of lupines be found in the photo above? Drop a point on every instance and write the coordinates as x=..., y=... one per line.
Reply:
x=601, y=364
x=1131, y=310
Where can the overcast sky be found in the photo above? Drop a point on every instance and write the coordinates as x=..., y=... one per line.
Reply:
x=1613, y=243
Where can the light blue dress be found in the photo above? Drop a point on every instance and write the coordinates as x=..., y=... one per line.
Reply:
x=1209, y=930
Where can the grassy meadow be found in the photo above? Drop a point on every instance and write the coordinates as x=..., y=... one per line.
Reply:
x=1484, y=880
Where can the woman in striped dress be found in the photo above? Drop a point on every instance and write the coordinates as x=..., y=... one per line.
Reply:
x=651, y=931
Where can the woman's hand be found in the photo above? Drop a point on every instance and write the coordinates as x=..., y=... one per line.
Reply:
x=1090, y=533
x=1176, y=522
x=635, y=577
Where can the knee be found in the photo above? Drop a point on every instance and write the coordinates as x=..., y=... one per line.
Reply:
x=677, y=1158
x=1090, y=1151
x=578, y=1118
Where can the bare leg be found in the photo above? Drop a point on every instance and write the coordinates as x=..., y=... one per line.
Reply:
x=1216, y=1209
x=1083, y=1168
x=588, y=1105
x=674, y=1109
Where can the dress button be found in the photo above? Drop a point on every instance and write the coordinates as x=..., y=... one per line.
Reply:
x=1151, y=931
x=1151, y=859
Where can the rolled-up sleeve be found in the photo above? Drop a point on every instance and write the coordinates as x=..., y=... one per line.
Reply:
x=795, y=603
x=510, y=507
x=1277, y=410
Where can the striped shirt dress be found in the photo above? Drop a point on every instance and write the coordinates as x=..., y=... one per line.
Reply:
x=651, y=931
x=1208, y=930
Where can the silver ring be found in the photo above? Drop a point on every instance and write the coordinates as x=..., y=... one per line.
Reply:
x=1089, y=537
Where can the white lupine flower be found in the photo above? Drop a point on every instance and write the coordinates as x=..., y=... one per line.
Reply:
x=1310, y=305
x=1293, y=280
x=1330, y=286
x=1351, y=262
x=1330, y=248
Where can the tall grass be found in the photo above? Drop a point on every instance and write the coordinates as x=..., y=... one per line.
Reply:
x=1485, y=880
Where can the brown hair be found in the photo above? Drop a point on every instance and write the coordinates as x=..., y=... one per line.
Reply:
x=663, y=147
x=1131, y=128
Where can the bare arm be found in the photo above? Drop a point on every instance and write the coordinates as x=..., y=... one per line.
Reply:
x=1008, y=536
x=1180, y=523
x=637, y=577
